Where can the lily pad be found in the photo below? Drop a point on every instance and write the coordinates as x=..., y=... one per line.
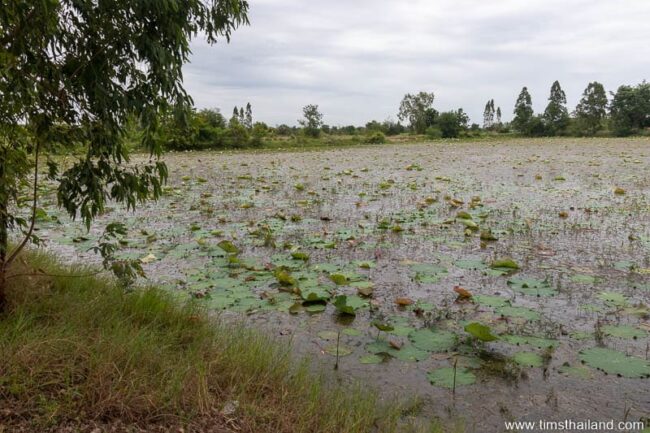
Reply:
x=532, y=287
x=624, y=331
x=491, y=300
x=613, y=298
x=349, y=304
x=228, y=247
x=528, y=359
x=584, y=279
x=521, y=312
x=614, y=362
x=480, y=332
x=433, y=340
x=341, y=350
x=448, y=377
x=371, y=359
x=471, y=264
x=506, y=264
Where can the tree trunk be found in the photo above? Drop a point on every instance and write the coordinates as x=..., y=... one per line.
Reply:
x=4, y=231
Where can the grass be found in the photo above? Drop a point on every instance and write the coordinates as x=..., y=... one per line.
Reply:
x=81, y=351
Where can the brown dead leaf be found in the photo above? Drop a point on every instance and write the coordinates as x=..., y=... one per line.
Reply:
x=404, y=302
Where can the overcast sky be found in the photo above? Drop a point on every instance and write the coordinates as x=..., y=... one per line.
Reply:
x=357, y=58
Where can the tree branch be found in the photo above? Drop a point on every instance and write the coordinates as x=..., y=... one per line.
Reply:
x=24, y=242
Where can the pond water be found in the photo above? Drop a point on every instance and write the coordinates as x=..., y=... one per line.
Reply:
x=497, y=281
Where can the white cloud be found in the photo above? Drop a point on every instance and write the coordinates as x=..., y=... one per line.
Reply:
x=356, y=59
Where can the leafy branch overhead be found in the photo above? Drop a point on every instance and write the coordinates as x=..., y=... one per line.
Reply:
x=77, y=72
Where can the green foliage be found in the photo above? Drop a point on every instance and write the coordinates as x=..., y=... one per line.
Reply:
x=488, y=114
x=376, y=137
x=592, y=109
x=433, y=132
x=480, y=332
x=630, y=109
x=312, y=122
x=89, y=68
x=523, y=112
x=556, y=115
x=452, y=123
x=77, y=349
x=418, y=110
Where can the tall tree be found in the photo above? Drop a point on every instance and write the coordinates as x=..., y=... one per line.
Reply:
x=523, y=112
x=592, y=109
x=630, y=109
x=488, y=115
x=499, y=116
x=75, y=71
x=248, y=122
x=418, y=110
x=313, y=120
x=556, y=115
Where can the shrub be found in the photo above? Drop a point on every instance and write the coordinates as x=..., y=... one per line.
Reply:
x=433, y=132
x=376, y=137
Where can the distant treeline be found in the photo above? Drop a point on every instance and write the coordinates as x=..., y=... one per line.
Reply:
x=627, y=113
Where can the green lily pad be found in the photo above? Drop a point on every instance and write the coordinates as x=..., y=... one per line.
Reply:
x=433, y=340
x=228, y=247
x=584, y=279
x=613, y=298
x=506, y=264
x=409, y=353
x=579, y=372
x=532, y=287
x=371, y=359
x=480, y=332
x=298, y=255
x=314, y=294
x=471, y=264
x=315, y=308
x=520, y=312
x=339, y=279
x=614, y=362
x=624, y=331
x=528, y=359
x=342, y=350
x=351, y=332
x=444, y=377
x=491, y=300
x=328, y=335
x=349, y=304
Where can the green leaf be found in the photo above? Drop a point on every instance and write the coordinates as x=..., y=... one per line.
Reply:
x=447, y=377
x=521, y=312
x=341, y=350
x=339, y=279
x=532, y=287
x=613, y=298
x=371, y=359
x=491, y=300
x=314, y=294
x=480, y=332
x=433, y=340
x=506, y=263
x=228, y=247
x=613, y=362
x=528, y=359
x=624, y=331
x=300, y=256
x=349, y=304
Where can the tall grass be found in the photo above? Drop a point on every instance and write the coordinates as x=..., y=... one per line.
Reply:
x=80, y=349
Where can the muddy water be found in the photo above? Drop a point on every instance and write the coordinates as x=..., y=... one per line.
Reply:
x=553, y=206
